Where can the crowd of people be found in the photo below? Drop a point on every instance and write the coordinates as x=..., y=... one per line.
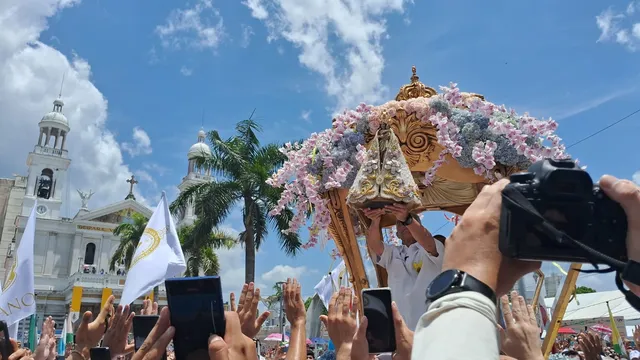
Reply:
x=456, y=324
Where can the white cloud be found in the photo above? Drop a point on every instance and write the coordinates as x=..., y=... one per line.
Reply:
x=636, y=177
x=352, y=67
x=258, y=11
x=305, y=115
x=247, y=32
x=199, y=27
x=617, y=26
x=30, y=75
x=158, y=169
x=141, y=144
x=282, y=272
x=186, y=71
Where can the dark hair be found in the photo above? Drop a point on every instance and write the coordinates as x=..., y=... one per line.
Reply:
x=440, y=238
x=5, y=347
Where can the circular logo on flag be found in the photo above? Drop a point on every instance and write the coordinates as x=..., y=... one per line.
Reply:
x=11, y=279
x=149, y=242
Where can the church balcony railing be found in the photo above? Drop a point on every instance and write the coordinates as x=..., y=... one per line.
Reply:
x=50, y=151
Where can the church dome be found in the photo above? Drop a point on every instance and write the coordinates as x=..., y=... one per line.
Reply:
x=198, y=149
x=56, y=116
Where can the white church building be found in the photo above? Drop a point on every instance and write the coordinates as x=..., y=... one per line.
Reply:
x=72, y=255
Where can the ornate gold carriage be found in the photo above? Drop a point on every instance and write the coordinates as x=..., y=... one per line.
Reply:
x=453, y=190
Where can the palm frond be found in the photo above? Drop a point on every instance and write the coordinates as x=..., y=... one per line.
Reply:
x=246, y=130
x=210, y=264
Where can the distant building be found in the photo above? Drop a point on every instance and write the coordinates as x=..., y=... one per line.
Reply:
x=72, y=255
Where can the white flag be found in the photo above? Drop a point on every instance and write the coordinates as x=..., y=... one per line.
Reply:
x=332, y=282
x=157, y=257
x=18, y=299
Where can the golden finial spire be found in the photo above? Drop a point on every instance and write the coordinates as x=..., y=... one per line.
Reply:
x=416, y=89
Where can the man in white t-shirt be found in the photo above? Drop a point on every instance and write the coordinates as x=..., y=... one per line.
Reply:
x=411, y=266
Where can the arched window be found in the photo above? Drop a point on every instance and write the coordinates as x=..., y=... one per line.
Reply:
x=45, y=183
x=90, y=254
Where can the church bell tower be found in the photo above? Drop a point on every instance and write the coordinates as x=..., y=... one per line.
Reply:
x=48, y=164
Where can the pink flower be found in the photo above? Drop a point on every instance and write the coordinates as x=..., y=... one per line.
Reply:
x=374, y=125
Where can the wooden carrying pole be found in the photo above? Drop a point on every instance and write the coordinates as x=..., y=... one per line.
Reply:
x=560, y=308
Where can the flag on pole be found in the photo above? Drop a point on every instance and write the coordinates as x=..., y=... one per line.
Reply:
x=18, y=299
x=157, y=257
x=32, y=333
x=66, y=337
x=616, y=340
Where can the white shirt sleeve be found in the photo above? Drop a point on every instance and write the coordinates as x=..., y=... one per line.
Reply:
x=456, y=326
x=389, y=252
x=434, y=259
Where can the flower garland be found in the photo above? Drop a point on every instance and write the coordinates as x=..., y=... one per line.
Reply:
x=477, y=133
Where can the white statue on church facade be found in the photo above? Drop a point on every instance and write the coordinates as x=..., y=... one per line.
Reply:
x=85, y=197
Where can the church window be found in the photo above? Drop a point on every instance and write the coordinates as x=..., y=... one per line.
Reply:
x=90, y=254
x=45, y=182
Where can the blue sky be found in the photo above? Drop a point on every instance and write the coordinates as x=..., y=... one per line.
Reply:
x=140, y=74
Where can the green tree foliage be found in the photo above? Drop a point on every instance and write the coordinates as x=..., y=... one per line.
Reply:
x=242, y=166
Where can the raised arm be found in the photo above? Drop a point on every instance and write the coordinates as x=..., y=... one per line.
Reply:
x=374, y=234
x=419, y=232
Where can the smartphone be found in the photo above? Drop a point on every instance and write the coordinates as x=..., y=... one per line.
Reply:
x=100, y=353
x=197, y=312
x=142, y=326
x=376, y=306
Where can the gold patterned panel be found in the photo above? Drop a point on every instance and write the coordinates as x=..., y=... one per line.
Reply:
x=117, y=217
x=343, y=232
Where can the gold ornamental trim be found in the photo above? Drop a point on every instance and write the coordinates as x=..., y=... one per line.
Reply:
x=94, y=228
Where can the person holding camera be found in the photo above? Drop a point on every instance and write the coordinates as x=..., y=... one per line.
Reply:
x=472, y=254
x=410, y=266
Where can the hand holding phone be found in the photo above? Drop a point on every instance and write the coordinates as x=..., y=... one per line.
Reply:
x=197, y=312
x=142, y=326
x=376, y=306
x=100, y=353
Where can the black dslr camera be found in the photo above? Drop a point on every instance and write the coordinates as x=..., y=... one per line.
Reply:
x=567, y=200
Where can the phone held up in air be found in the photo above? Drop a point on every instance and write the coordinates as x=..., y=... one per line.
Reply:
x=197, y=312
x=100, y=353
x=142, y=326
x=376, y=306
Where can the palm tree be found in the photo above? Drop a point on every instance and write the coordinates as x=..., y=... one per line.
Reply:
x=130, y=234
x=199, y=251
x=243, y=166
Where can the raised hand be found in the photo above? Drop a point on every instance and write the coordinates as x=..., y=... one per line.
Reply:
x=116, y=336
x=293, y=304
x=521, y=338
x=149, y=307
x=373, y=214
x=400, y=211
x=590, y=345
x=360, y=347
x=235, y=345
x=43, y=350
x=248, y=309
x=90, y=332
x=404, y=335
x=156, y=343
x=340, y=320
x=22, y=354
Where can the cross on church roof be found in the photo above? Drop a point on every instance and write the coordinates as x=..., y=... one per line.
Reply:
x=131, y=182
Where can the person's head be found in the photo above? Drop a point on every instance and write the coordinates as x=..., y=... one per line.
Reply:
x=403, y=232
x=310, y=355
x=440, y=238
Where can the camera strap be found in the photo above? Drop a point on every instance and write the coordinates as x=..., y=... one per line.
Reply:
x=629, y=271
